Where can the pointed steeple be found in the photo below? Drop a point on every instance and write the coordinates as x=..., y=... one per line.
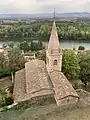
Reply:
x=54, y=45
x=54, y=52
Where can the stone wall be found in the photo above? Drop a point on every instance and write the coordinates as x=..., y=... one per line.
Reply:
x=84, y=97
x=71, y=102
x=50, y=61
x=43, y=100
x=36, y=101
x=67, y=101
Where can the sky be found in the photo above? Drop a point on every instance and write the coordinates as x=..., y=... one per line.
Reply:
x=43, y=6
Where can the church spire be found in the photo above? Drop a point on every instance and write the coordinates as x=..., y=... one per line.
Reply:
x=54, y=52
x=54, y=45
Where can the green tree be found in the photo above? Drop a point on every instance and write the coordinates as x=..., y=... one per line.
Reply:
x=2, y=93
x=3, y=60
x=4, y=45
x=40, y=45
x=70, y=64
x=18, y=44
x=5, y=72
x=4, y=69
x=34, y=46
x=41, y=55
x=74, y=48
x=81, y=48
x=85, y=68
x=16, y=59
x=11, y=44
x=24, y=46
x=6, y=96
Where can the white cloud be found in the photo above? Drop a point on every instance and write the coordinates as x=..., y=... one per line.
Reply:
x=34, y=6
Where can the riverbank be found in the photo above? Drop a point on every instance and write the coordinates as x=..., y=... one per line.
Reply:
x=65, y=44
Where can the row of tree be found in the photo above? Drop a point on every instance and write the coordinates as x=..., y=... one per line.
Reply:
x=26, y=46
x=41, y=30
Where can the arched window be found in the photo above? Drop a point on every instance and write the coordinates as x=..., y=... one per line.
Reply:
x=55, y=62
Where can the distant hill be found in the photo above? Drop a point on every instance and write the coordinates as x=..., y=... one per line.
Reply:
x=45, y=15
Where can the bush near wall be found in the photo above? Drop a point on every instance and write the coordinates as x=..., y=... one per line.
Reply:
x=5, y=72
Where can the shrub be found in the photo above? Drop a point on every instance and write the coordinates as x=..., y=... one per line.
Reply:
x=81, y=48
x=2, y=103
x=5, y=72
x=8, y=100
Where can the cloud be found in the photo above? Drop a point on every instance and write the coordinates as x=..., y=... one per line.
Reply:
x=34, y=6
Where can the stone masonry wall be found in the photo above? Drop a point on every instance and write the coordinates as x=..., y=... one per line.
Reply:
x=84, y=97
x=67, y=101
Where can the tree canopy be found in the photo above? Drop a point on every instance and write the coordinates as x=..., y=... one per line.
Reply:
x=11, y=44
x=3, y=61
x=70, y=64
x=67, y=30
x=24, y=46
x=81, y=48
x=85, y=68
x=16, y=59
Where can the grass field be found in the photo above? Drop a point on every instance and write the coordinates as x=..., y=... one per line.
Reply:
x=10, y=115
x=75, y=114
x=47, y=112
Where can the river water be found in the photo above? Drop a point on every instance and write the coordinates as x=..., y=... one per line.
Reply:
x=69, y=44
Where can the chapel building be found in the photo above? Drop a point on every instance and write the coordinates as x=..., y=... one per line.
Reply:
x=38, y=79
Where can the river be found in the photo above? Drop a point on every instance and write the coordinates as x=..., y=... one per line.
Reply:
x=69, y=44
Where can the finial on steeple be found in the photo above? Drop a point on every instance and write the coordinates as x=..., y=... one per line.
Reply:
x=54, y=14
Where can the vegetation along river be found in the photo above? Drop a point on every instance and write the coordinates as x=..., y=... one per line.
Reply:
x=65, y=44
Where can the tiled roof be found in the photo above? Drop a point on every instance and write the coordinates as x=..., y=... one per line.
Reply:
x=36, y=76
x=31, y=81
x=19, y=86
x=62, y=87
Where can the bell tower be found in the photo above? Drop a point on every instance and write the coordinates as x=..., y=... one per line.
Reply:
x=54, y=52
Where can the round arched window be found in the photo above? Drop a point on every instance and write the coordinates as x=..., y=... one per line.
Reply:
x=55, y=62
